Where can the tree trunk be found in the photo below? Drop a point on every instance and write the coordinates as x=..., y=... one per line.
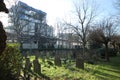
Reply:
x=3, y=38
x=106, y=52
x=80, y=59
x=114, y=46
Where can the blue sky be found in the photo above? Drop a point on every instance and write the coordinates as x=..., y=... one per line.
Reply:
x=107, y=6
x=56, y=9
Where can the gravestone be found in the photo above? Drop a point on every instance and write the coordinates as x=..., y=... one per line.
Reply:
x=73, y=55
x=80, y=63
x=36, y=66
x=3, y=36
x=28, y=66
x=57, y=60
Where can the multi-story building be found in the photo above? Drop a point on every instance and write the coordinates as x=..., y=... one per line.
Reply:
x=36, y=32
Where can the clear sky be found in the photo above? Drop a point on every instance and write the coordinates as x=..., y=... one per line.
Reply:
x=56, y=9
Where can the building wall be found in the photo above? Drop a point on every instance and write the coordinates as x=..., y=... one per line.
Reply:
x=37, y=27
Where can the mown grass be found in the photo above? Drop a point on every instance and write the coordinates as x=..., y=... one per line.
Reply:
x=99, y=71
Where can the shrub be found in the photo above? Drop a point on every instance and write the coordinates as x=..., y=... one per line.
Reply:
x=111, y=52
x=10, y=63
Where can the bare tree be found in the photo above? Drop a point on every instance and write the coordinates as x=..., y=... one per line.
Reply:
x=17, y=25
x=118, y=42
x=104, y=33
x=117, y=4
x=85, y=15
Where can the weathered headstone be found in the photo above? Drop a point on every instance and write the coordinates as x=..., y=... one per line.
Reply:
x=28, y=66
x=36, y=66
x=80, y=63
x=53, y=53
x=57, y=61
x=3, y=36
x=74, y=55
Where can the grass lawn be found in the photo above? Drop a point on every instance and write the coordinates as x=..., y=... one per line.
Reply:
x=109, y=70
x=99, y=71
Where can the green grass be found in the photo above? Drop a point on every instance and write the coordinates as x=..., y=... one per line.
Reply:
x=99, y=71
x=109, y=70
x=13, y=44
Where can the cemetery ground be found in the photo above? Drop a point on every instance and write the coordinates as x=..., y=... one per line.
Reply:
x=101, y=70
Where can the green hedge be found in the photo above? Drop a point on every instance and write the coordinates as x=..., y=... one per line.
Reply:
x=10, y=63
x=111, y=52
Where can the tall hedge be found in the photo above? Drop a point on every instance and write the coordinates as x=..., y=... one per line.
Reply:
x=10, y=63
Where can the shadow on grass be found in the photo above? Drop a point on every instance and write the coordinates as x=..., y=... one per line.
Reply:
x=107, y=76
x=45, y=77
x=113, y=69
x=109, y=70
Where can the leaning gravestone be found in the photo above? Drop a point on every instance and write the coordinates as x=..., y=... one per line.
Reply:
x=3, y=36
x=57, y=60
